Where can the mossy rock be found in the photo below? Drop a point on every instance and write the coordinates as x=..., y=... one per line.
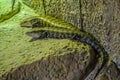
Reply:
x=16, y=51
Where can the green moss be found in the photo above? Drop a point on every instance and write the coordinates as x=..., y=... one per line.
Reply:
x=12, y=44
x=6, y=11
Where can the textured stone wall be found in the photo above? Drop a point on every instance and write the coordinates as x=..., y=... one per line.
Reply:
x=99, y=17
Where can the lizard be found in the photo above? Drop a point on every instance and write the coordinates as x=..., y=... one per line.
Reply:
x=50, y=27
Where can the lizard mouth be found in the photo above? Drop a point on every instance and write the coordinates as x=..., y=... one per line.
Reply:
x=34, y=34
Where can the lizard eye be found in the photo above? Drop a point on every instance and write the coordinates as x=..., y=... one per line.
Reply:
x=35, y=23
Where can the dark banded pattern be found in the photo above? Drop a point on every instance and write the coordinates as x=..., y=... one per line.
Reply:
x=47, y=21
x=44, y=34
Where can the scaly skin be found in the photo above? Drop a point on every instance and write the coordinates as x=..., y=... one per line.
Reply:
x=61, y=30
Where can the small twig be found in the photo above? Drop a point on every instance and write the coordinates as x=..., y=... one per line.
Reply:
x=81, y=16
x=13, y=3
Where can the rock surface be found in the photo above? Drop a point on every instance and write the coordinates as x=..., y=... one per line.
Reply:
x=68, y=63
x=6, y=10
x=109, y=72
x=52, y=59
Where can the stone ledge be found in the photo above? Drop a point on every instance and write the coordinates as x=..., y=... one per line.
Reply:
x=71, y=62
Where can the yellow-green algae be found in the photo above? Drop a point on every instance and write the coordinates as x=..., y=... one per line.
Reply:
x=6, y=10
x=15, y=48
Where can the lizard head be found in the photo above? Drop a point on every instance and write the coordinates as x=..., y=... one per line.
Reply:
x=37, y=35
x=31, y=23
